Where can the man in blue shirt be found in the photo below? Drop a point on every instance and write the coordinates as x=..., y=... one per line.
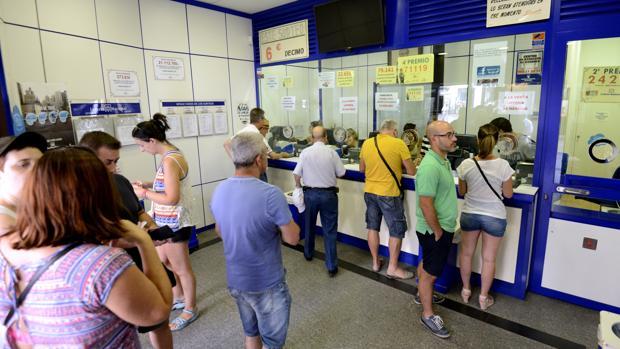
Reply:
x=248, y=213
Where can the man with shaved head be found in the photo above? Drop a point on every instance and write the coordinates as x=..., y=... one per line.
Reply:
x=318, y=167
x=436, y=214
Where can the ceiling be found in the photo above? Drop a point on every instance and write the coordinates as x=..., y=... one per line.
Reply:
x=248, y=6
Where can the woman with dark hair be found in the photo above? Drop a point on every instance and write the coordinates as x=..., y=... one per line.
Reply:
x=170, y=194
x=481, y=179
x=61, y=287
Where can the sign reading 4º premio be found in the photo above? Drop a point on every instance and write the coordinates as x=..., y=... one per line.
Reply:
x=284, y=43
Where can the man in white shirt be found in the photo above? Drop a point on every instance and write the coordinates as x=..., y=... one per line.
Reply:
x=319, y=166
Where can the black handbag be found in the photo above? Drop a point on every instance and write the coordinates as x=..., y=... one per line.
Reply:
x=400, y=187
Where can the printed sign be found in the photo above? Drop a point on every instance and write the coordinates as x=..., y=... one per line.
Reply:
x=489, y=63
x=272, y=82
x=167, y=68
x=529, y=68
x=506, y=12
x=386, y=101
x=345, y=78
x=123, y=83
x=348, y=105
x=288, y=103
x=284, y=43
x=386, y=75
x=415, y=94
x=516, y=102
x=327, y=79
x=243, y=113
x=190, y=125
x=538, y=40
x=416, y=69
x=193, y=118
x=601, y=84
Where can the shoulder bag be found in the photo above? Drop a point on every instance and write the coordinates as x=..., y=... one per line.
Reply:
x=400, y=187
x=486, y=180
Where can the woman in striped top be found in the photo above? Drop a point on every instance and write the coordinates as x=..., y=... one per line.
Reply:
x=170, y=194
x=92, y=295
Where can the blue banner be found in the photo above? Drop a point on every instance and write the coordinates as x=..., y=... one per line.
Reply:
x=98, y=109
x=192, y=104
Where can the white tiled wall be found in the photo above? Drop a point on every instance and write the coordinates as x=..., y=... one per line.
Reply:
x=77, y=42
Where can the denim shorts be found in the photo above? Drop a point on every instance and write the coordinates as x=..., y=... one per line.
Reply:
x=388, y=207
x=265, y=313
x=492, y=225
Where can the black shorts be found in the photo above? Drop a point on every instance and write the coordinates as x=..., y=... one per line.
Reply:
x=183, y=234
x=435, y=253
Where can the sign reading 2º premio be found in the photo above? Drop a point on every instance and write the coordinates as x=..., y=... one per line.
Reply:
x=601, y=84
x=284, y=43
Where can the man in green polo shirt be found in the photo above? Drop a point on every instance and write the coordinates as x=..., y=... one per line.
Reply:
x=436, y=214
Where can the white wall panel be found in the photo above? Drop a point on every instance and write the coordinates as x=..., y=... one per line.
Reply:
x=74, y=62
x=21, y=54
x=164, y=26
x=136, y=165
x=242, y=87
x=214, y=162
x=19, y=12
x=210, y=77
x=68, y=16
x=167, y=89
x=196, y=208
x=189, y=148
x=119, y=21
x=239, y=31
x=207, y=193
x=207, y=31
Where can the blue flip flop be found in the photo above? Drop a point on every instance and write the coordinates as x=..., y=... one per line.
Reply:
x=180, y=323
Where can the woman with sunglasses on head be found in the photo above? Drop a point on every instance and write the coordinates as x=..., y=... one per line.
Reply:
x=484, y=180
x=170, y=194
x=60, y=286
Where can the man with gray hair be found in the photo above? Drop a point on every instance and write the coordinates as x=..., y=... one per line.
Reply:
x=247, y=214
x=382, y=159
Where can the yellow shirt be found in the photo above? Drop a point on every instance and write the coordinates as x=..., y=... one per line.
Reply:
x=379, y=181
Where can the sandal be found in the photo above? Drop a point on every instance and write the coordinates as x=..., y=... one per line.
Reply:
x=465, y=294
x=180, y=323
x=178, y=304
x=485, y=302
x=376, y=270
x=407, y=275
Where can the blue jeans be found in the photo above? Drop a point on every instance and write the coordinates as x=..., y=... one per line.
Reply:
x=491, y=225
x=389, y=207
x=265, y=313
x=324, y=202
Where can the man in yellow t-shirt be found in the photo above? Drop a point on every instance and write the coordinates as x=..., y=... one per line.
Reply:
x=382, y=195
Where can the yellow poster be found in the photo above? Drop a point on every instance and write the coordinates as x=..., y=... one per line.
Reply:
x=416, y=69
x=345, y=78
x=601, y=84
x=287, y=81
x=386, y=75
x=415, y=94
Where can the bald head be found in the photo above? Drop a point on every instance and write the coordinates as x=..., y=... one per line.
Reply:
x=442, y=137
x=319, y=134
x=437, y=127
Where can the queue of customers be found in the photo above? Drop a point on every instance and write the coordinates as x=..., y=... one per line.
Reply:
x=68, y=220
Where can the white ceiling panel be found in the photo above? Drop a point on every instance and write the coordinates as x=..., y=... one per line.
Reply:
x=248, y=6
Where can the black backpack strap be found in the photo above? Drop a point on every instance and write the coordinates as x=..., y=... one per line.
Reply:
x=486, y=180
x=400, y=188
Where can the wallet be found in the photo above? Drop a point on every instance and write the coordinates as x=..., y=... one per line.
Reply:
x=161, y=233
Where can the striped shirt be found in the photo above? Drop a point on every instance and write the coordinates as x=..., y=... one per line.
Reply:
x=66, y=306
x=175, y=216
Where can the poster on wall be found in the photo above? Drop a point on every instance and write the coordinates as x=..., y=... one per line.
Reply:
x=284, y=42
x=516, y=102
x=386, y=75
x=243, y=113
x=272, y=82
x=348, y=105
x=416, y=69
x=506, y=12
x=538, y=40
x=387, y=101
x=220, y=121
x=205, y=123
x=189, y=122
x=415, y=93
x=90, y=124
x=345, y=78
x=489, y=64
x=601, y=84
x=288, y=103
x=194, y=118
x=327, y=79
x=123, y=83
x=176, y=130
x=529, y=68
x=45, y=109
x=168, y=68
x=288, y=82
x=123, y=127
x=102, y=116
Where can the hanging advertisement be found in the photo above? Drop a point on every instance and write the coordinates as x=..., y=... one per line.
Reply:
x=489, y=64
x=529, y=68
x=327, y=79
x=123, y=83
x=284, y=43
x=416, y=69
x=601, y=84
x=288, y=103
x=348, y=105
x=386, y=75
x=168, y=68
x=516, y=102
x=345, y=78
x=45, y=109
x=506, y=12
x=386, y=101
x=415, y=94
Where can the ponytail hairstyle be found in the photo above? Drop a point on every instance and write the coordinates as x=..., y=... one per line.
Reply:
x=154, y=128
x=487, y=138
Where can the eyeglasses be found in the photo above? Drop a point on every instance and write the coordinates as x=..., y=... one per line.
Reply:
x=449, y=135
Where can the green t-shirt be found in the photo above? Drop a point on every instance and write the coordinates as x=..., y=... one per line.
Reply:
x=434, y=178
